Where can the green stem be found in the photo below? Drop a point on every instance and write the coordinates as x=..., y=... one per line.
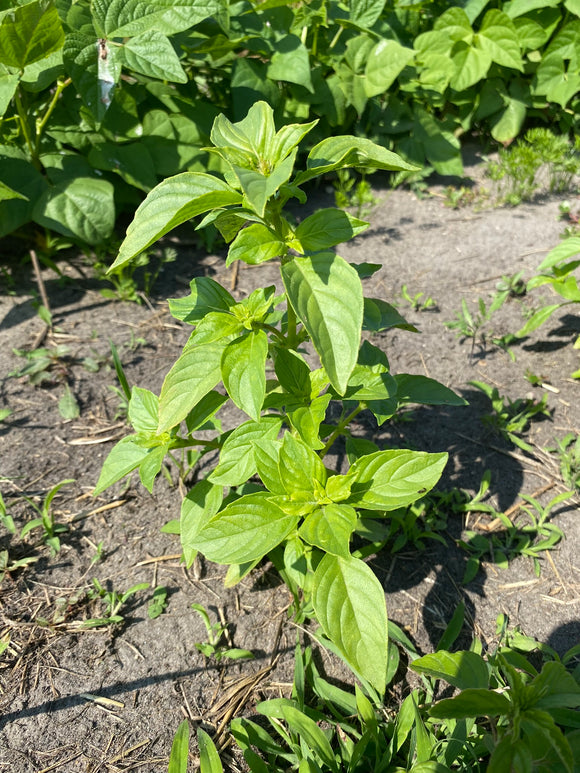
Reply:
x=336, y=37
x=60, y=87
x=24, y=125
x=274, y=331
x=292, y=326
x=182, y=443
x=342, y=425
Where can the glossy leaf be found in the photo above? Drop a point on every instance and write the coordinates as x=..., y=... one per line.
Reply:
x=387, y=480
x=255, y=244
x=236, y=463
x=330, y=527
x=209, y=760
x=124, y=457
x=179, y=749
x=243, y=366
x=425, y=391
x=310, y=734
x=326, y=228
x=472, y=702
x=461, y=669
x=350, y=605
x=200, y=505
x=206, y=296
x=326, y=294
x=290, y=62
x=301, y=470
x=384, y=64
x=245, y=530
x=192, y=376
x=172, y=202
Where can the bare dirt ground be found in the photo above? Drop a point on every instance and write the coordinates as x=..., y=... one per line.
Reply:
x=110, y=699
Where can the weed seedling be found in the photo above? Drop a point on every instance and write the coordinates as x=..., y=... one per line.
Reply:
x=158, y=603
x=113, y=601
x=511, y=418
x=350, y=194
x=217, y=634
x=418, y=302
x=568, y=451
x=43, y=366
x=46, y=520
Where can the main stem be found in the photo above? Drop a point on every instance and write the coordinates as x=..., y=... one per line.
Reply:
x=342, y=425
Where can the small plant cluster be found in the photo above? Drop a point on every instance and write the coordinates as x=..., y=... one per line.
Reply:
x=539, y=152
x=100, y=101
x=507, y=714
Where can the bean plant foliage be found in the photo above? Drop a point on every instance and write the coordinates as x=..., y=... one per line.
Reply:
x=101, y=100
x=271, y=494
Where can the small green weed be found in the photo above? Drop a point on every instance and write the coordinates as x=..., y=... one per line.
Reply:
x=418, y=301
x=519, y=165
x=510, y=418
x=350, y=193
x=113, y=602
x=158, y=603
x=51, y=529
x=476, y=327
x=218, y=643
x=568, y=451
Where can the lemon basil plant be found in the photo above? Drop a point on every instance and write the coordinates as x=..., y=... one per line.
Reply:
x=271, y=494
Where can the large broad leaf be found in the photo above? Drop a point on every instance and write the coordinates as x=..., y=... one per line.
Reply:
x=237, y=462
x=82, y=208
x=301, y=469
x=179, y=749
x=387, y=480
x=461, y=669
x=245, y=530
x=124, y=18
x=327, y=228
x=567, y=249
x=243, y=368
x=347, y=151
x=499, y=38
x=8, y=84
x=290, y=62
x=194, y=374
x=385, y=63
x=172, y=202
x=28, y=33
x=130, y=160
x=365, y=13
x=472, y=702
x=349, y=603
x=152, y=54
x=326, y=294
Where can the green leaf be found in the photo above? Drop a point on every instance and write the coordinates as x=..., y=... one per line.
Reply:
x=326, y=294
x=472, y=702
x=350, y=605
x=347, y=151
x=7, y=193
x=255, y=244
x=267, y=459
x=378, y=315
x=385, y=63
x=152, y=54
x=301, y=469
x=206, y=296
x=209, y=760
x=310, y=734
x=172, y=202
x=143, y=411
x=387, y=480
x=179, y=749
x=290, y=62
x=461, y=669
x=28, y=33
x=510, y=122
x=81, y=208
x=365, y=13
x=499, y=38
x=237, y=462
x=193, y=375
x=471, y=65
x=94, y=71
x=243, y=366
x=68, y=406
x=556, y=687
x=125, y=457
x=200, y=505
x=245, y=530
x=125, y=18
x=425, y=391
x=537, y=319
x=131, y=161
x=8, y=84
x=326, y=228
x=568, y=248
x=330, y=527
x=306, y=420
